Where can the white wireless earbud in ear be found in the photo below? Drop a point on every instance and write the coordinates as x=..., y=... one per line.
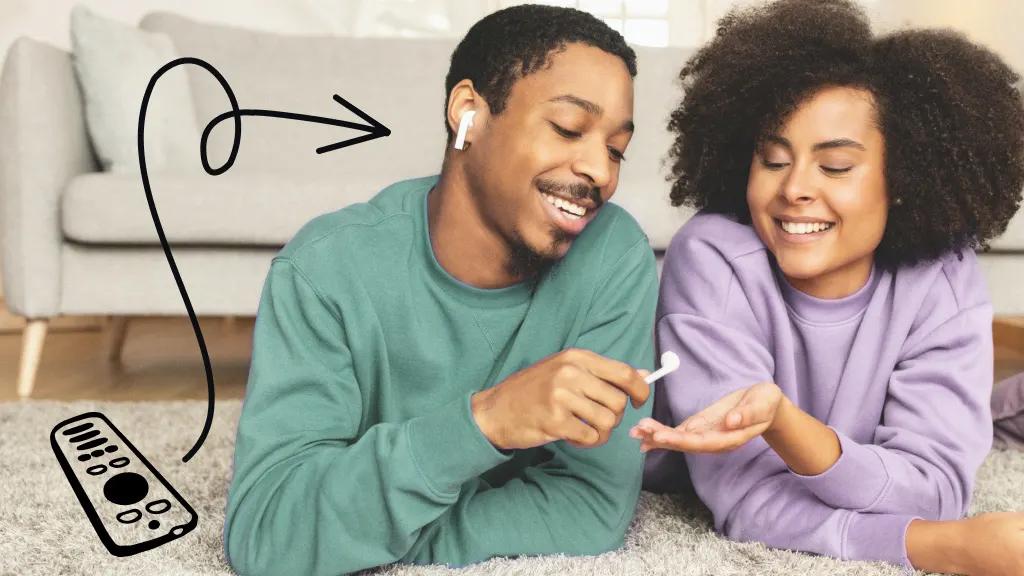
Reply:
x=464, y=123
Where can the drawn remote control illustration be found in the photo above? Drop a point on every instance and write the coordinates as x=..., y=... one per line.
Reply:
x=130, y=504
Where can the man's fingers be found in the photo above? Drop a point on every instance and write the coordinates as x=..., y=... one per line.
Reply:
x=579, y=434
x=610, y=397
x=594, y=415
x=618, y=374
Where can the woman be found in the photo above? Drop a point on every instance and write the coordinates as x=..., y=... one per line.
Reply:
x=832, y=321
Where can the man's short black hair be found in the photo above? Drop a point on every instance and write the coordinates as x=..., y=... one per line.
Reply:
x=949, y=109
x=509, y=44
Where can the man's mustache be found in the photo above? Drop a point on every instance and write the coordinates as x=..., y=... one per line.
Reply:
x=574, y=190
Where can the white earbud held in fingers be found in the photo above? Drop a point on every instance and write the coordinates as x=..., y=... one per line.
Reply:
x=464, y=123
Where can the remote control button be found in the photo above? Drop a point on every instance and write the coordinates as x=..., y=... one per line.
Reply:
x=96, y=470
x=84, y=457
x=119, y=462
x=97, y=453
x=111, y=448
x=153, y=524
x=123, y=517
x=158, y=506
x=77, y=429
x=93, y=444
x=85, y=436
x=126, y=488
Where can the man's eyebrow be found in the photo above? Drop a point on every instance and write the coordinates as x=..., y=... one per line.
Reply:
x=589, y=107
x=837, y=143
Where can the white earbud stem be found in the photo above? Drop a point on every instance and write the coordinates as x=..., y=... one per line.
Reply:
x=464, y=123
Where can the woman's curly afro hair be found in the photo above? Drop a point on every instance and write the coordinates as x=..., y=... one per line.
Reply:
x=949, y=109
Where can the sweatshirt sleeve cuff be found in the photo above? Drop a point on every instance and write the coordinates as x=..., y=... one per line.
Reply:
x=855, y=482
x=449, y=449
x=877, y=538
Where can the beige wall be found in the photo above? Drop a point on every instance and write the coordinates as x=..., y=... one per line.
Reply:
x=47, y=20
x=995, y=23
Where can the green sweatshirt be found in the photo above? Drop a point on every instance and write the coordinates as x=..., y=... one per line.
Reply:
x=357, y=446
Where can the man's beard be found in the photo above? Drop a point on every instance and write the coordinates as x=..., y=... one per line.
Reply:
x=525, y=262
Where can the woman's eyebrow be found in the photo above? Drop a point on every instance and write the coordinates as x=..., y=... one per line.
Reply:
x=837, y=143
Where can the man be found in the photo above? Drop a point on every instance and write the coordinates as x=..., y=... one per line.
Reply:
x=449, y=372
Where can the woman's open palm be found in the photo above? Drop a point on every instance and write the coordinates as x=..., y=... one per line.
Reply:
x=723, y=426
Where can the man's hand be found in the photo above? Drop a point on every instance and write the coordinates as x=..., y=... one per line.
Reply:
x=574, y=395
x=724, y=426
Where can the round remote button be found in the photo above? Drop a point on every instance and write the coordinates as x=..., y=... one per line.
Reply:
x=111, y=448
x=119, y=462
x=96, y=470
x=129, y=516
x=126, y=488
x=84, y=457
x=158, y=506
x=97, y=453
x=153, y=524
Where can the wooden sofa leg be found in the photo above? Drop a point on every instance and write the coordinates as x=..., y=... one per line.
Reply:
x=33, y=336
x=118, y=330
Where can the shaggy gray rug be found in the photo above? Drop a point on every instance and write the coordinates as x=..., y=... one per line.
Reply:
x=44, y=531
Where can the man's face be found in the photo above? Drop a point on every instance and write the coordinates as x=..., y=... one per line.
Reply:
x=543, y=167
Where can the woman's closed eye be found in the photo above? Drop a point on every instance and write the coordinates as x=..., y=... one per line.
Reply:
x=773, y=165
x=832, y=170
x=836, y=171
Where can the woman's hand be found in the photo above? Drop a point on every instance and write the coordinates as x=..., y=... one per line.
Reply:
x=993, y=544
x=725, y=425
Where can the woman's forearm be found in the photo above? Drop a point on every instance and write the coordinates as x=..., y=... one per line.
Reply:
x=806, y=445
x=934, y=546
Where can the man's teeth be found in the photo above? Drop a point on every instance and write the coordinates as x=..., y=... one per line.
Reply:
x=572, y=211
x=805, y=227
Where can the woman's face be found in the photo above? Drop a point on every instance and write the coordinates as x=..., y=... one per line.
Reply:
x=817, y=193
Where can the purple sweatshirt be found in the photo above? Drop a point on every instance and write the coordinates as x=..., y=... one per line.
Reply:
x=902, y=371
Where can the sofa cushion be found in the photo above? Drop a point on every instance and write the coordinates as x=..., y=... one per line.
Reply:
x=240, y=209
x=113, y=63
x=230, y=209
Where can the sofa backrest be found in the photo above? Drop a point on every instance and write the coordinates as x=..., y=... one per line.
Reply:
x=399, y=82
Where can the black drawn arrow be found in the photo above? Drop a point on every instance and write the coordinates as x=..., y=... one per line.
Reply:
x=374, y=130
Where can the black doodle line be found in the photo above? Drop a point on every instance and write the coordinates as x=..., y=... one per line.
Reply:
x=375, y=129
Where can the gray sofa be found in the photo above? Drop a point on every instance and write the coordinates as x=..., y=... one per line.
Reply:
x=78, y=241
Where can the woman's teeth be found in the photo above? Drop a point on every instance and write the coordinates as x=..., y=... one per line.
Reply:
x=572, y=211
x=805, y=227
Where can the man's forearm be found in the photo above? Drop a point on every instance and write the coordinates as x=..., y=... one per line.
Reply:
x=806, y=445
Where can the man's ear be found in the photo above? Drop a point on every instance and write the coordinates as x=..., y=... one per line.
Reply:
x=467, y=113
